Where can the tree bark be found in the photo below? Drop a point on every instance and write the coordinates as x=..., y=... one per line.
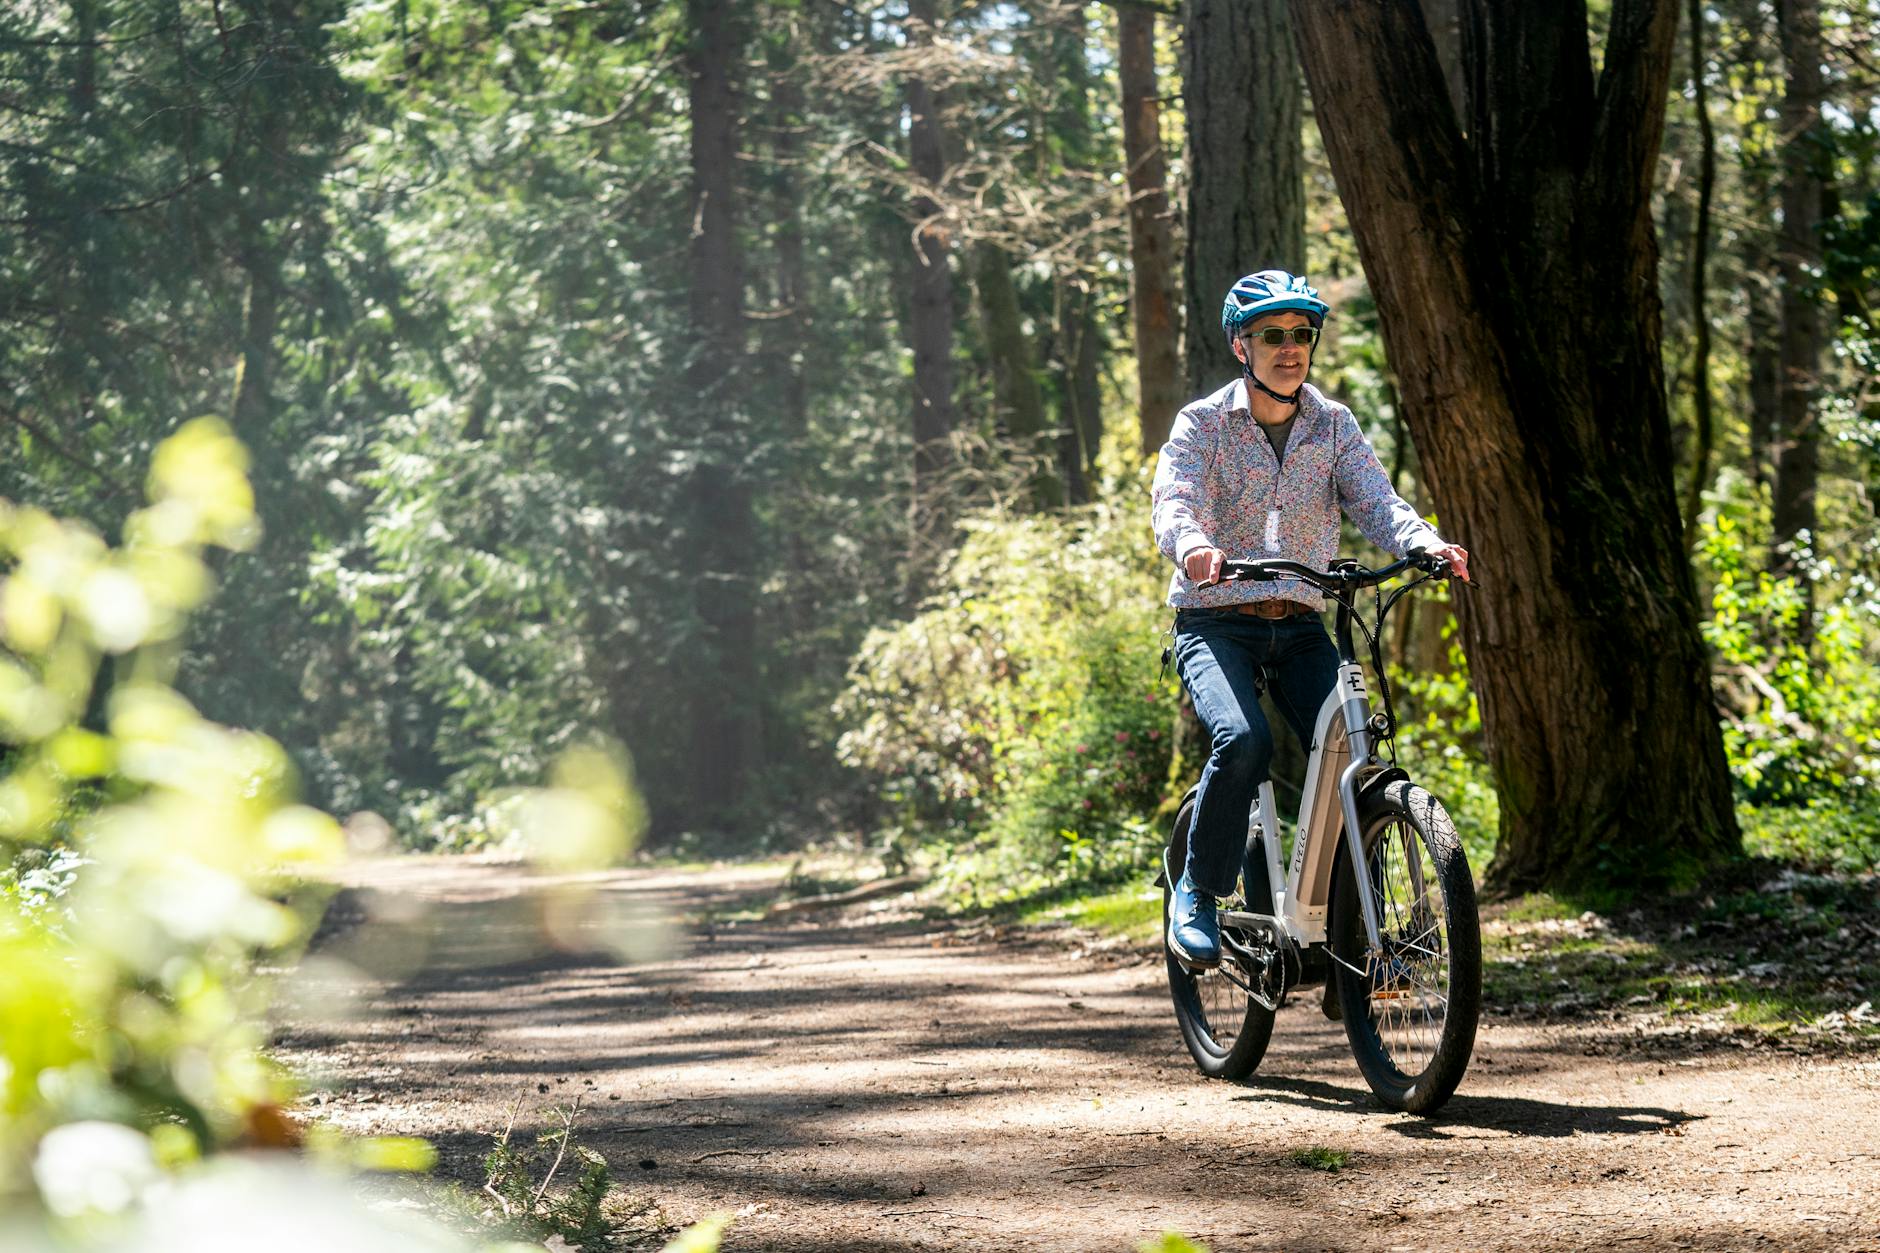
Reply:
x=726, y=719
x=793, y=330
x=1079, y=334
x=1508, y=271
x=1246, y=193
x=1705, y=424
x=1797, y=451
x=1765, y=366
x=1080, y=339
x=930, y=321
x=1151, y=246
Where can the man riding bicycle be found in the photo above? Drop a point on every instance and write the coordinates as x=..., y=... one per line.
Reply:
x=1260, y=468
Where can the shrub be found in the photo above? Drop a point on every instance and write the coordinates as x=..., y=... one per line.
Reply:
x=1021, y=715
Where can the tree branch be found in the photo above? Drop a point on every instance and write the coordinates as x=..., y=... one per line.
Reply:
x=162, y=197
x=1629, y=109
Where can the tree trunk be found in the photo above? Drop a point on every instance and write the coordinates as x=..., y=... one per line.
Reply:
x=793, y=329
x=1151, y=248
x=1080, y=342
x=726, y=718
x=1706, y=437
x=1765, y=365
x=1246, y=164
x=1757, y=257
x=1079, y=338
x=1797, y=454
x=1508, y=271
x=1018, y=401
x=930, y=322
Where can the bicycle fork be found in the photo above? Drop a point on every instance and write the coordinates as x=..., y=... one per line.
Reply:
x=1357, y=712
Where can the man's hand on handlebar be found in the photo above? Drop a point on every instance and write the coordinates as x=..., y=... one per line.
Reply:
x=1458, y=558
x=1203, y=566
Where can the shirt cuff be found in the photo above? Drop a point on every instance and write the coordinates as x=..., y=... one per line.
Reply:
x=1187, y=543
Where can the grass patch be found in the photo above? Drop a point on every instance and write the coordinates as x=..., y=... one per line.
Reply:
x=1770, y=949
x=1133, y=911
x=1316, y=1158
x=1535, y=907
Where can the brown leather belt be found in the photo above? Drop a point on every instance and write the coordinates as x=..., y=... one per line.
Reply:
x=1271, y=608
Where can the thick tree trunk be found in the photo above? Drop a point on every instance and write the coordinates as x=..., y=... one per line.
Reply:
x=1246, y=166
x=1159, y=394
x=1018, y=400
x=1501, y=269
x=1799, y=258
x=930, y=321
x=726, y=719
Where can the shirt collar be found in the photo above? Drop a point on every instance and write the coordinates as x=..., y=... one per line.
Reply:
x=1237, y=398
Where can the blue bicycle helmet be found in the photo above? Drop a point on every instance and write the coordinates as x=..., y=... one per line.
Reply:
x=1270, y=291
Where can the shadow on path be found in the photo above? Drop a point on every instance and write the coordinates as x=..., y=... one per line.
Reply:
x=1521, y=1116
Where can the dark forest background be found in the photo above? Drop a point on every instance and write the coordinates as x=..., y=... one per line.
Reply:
x=773, y=388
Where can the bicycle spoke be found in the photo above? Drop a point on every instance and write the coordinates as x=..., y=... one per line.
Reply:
x=1410, y=979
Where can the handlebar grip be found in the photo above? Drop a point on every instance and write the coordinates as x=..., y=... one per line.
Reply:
x=1427, y=561
x=1257, y=571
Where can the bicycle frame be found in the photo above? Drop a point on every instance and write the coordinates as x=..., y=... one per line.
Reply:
x=1341, y=761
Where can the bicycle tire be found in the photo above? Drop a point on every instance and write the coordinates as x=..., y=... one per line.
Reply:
x=1412, y=1057
x=1207, y=1005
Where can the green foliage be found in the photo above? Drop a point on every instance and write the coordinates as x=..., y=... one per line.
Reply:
x=1133, y=911
x=1803, y=722
x=1022, y=712
x=1171, y=1242
x=1439, y=741
x=1318, y=1158
x=574, y=1213
x=150, y=851
x=156, y=860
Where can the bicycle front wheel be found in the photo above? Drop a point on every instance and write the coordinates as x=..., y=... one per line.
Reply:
x=1225, y=1029
x=1411, y=1009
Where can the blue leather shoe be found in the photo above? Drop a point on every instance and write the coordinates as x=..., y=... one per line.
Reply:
x=1194, y=933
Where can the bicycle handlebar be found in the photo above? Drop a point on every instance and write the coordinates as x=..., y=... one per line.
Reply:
x=1344, y=574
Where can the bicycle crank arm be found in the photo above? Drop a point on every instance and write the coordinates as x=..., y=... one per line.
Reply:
x=1273, y=929
x=1251, y=959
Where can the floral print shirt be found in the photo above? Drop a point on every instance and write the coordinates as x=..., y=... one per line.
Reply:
x=1218, y=484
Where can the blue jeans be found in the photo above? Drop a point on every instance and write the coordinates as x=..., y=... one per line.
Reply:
x=1220, y=655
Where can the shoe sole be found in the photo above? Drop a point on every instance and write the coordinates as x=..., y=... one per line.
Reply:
x=1187, y=959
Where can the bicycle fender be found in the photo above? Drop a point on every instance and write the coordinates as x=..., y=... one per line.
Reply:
x=1382, y=779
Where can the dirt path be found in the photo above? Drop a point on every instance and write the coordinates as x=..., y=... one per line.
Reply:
x=872, y=1081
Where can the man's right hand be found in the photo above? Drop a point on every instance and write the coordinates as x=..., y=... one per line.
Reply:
x=1203, y=566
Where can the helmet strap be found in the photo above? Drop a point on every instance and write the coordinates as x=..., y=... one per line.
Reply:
x=1247, y=369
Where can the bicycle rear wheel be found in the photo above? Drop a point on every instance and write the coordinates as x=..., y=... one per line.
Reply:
x=1410, y=1012
x=1225, y=1029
